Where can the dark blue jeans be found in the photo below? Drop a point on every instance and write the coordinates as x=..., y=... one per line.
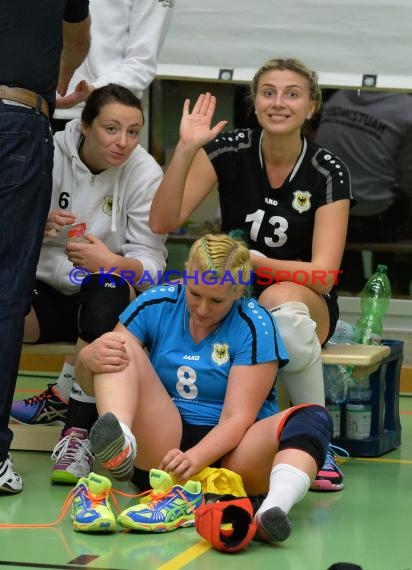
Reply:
x=26, y=164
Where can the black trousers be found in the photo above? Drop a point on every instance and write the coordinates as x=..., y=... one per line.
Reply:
x=382, y=228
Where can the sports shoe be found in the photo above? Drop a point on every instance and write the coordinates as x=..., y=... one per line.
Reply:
x=91, y=511
x=330, y=477
x=170, y=506
x=114, y=451
x=10, y=481
x=72, y=456
x=46, y=408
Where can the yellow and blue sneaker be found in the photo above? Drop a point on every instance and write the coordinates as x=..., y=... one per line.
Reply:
x=91, y=511
x=168, y=508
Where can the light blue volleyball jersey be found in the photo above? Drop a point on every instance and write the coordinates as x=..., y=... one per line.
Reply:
x=195, y=374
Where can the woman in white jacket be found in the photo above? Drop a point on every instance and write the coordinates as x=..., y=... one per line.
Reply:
x=103, y=183
x=127, y=38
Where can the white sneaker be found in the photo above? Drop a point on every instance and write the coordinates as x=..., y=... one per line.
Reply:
x=72, y=456
x=10, y=482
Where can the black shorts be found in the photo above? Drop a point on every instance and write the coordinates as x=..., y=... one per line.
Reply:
x=191, y=435
x=56, y=313
x=331, y=299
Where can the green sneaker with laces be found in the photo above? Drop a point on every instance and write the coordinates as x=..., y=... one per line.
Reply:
x=168, y=508
x=91, y=511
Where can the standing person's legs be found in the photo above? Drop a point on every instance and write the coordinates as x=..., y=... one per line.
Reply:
x=26, y=163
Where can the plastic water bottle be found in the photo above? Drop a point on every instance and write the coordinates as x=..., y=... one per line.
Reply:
x=337, y=381
x=359, y=413
x=337, y=378
x=334, y=409
x=343, y=333
x=375, y=299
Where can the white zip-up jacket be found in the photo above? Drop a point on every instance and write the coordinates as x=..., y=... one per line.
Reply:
x=124, y=229
x=127, y=36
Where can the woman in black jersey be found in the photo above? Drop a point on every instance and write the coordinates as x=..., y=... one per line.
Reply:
x=290, y=197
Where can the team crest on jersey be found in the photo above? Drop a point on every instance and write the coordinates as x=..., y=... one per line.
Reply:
x=108, y=205
x=301, y=201
x=220, y=353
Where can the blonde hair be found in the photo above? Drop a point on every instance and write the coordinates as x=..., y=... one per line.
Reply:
x=290, y=64
x=221, y=253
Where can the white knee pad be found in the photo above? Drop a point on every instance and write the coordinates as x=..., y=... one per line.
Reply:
x=303, y=375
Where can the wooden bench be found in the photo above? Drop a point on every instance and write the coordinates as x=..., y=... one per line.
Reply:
x=364, y=358
x=60, y=348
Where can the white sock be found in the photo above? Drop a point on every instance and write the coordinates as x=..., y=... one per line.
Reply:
x=130, y=437
x=65, y=381
x=77, y=393
x=288, y=485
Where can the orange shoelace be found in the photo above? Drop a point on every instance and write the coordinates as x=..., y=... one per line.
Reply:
x=156, y=497
x=95, y=499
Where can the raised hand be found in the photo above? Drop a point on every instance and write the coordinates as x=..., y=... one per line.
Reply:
x=195, y=126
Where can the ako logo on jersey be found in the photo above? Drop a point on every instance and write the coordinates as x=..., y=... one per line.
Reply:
x=301, y=201
x=220, y=353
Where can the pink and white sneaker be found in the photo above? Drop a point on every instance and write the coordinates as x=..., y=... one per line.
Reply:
x=72, y=456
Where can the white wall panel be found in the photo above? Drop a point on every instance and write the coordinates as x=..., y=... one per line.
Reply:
x=343, y=40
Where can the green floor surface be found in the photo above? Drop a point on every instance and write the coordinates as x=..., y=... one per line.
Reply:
x=369, y=523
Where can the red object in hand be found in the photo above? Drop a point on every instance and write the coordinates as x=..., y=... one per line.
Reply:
x=77, y=231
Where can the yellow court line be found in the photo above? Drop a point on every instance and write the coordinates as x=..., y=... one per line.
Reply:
x=381, y=460
x=187, y=556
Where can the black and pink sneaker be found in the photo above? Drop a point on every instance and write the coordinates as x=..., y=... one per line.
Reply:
x=330, y=477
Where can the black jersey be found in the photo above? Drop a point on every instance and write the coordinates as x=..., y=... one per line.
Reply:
x=31, y=42
x=278, y=222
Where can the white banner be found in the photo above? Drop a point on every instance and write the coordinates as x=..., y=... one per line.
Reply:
x=348, y=42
